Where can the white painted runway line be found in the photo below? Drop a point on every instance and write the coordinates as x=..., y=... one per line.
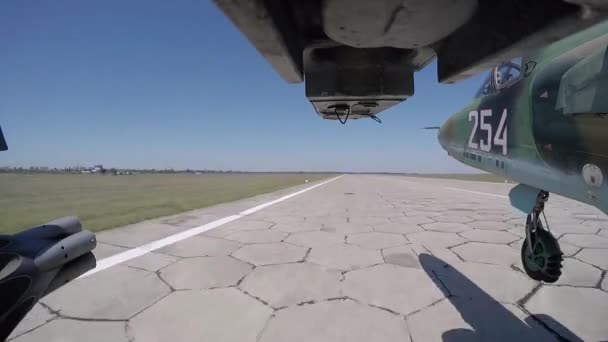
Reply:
x=154, y=245
x=475, y=192
x=460, y=189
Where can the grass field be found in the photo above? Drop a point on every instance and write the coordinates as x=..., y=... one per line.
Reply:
x=479, y=177
x=104, y=202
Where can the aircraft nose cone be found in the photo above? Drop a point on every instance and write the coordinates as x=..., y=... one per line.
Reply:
x=443, y=135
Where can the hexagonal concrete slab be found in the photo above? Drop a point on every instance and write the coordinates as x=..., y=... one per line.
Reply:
x=572, y=311
x=38, y=316
x=456, y=212
x=461, y=319
x=103, y=250
x=337, y=320
x=597, y=257
x=487, y=253
x=437, y=239
x=516, y=226
x=67, y=330
x=519, y=231
x=558, y=228
x=427, y=213
x=399, y=228
x=399, y=289
x=491, y=236
x=347, y=228
x=447, y=255
x=376, y=240
x=239, y=226
x=402, y=256
x=415, y=220
x=298, y=227
x=452, y=219
x=200, y=246
x=267, y=215
x=489, y=217
x=376, y=197
x=257, y=236
x=247, y=224
x=585, y=240
x=288, y=284
x=137, y=234
x=433, y=323
x=316, y=239
x=205, y=272
x=367, y=219
x=152, y=261
x=590, y=216
x=594, y=220
x=344, y=257
x=490, y=225
x=576, y=273
x=469, y=280
x=270, y=253
x=568, y=249
x=446, y=227
x=116, y=293
x=187, y=315
x=327, y=219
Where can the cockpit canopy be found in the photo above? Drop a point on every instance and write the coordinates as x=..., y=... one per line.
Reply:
x=500, y=77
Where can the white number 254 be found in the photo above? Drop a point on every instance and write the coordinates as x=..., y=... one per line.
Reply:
x=479, y=121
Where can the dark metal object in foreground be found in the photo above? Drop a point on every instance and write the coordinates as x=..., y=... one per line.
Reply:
x=36, y=262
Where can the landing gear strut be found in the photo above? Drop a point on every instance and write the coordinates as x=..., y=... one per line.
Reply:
x=540, y=252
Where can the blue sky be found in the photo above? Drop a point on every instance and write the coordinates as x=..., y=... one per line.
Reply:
x=171, y=84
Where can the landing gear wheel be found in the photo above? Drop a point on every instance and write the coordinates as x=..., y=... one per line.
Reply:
x=543, y=261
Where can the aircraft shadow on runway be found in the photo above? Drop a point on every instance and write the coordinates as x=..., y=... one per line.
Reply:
x=489, y=320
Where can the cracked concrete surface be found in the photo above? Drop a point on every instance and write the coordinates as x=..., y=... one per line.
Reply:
x=339, y=320
x=60, y=330
x=299, y=283
x=364, y=258
x=446, y=226
x=398, y=289
x=117, y=294
x=270, y=253
x=489, y=253
x=376, y=240
x=204, y=273
x=213, y=315
x=315, y=239
x=200, y=246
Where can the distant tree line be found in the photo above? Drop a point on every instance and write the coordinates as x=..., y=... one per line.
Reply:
x=116, y=171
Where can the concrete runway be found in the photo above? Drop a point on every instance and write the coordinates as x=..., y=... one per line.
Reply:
x=361, y=258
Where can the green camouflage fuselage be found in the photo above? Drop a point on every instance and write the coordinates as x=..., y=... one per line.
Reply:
x=548, y=127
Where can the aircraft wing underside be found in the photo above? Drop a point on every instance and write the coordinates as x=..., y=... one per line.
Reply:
x=357, y=57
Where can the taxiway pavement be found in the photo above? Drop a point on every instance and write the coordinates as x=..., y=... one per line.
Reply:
x=360, y=258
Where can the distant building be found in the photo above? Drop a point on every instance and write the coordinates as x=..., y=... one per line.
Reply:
x=97, y=168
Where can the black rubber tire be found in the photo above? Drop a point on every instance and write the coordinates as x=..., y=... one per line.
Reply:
x=553, y=262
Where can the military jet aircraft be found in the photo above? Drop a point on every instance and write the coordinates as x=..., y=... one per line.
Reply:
x=542, y=123
x=357, y=57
